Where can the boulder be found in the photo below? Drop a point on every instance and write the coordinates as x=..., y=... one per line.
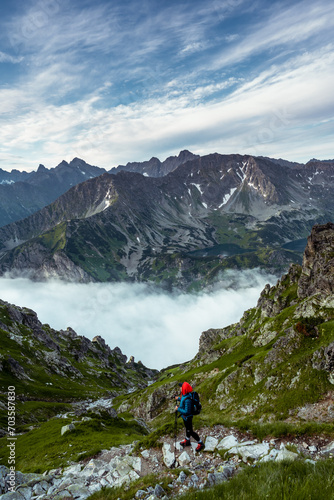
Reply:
x=67, y=428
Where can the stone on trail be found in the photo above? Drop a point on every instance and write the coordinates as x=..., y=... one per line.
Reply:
x=140, y=494
x=285, y=454
x=329, y=448
x=254, y=451
x=271, y=456
x=184, y=459
x=227, y=442
x=159, y=491
x=182, y=477
x=168, y=455
x=210, y=443
x=216, y=478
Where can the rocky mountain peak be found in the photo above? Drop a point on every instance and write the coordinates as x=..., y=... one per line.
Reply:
x=63, y=163
x=154, y=167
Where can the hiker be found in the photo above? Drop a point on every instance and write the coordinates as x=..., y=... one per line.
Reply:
x=185, y=410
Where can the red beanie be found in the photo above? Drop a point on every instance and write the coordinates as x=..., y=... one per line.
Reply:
x=186, y=388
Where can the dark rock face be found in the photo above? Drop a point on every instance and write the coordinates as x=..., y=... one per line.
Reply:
x=318, y=263
x=324, y=359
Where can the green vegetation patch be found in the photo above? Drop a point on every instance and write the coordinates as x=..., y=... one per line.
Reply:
x=55, y=239
x=285, y=480
x=44, y=448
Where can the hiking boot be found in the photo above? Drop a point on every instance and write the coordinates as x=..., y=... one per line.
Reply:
x=200, y=447
x=185, y=442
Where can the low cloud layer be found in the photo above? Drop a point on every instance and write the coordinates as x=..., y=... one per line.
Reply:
x=154, y=326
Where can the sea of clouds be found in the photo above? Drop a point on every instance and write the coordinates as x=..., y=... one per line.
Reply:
x=157, y=327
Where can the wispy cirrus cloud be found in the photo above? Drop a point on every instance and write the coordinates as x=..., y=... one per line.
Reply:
x=115, y=82
x=6, y=58
x=288, y=27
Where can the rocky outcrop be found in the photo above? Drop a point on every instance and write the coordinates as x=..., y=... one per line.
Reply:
x=318, y=263
x=324, y=360
x=278, y=347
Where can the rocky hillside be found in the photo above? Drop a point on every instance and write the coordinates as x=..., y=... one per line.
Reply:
x=211, y=213
x=23, y=193
x=48, y=365
x=277, y=363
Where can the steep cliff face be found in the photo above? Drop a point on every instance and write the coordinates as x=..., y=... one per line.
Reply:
x=318, y=263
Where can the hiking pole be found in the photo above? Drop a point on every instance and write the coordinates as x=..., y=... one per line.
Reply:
x=175, y=437
x=175, y=429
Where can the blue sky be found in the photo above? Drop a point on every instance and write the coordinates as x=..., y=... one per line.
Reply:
x=118, y=81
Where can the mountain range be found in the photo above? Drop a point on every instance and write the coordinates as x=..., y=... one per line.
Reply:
x=23, y=193
x=208, y=214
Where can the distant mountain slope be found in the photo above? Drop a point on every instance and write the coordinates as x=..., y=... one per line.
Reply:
x=22, y=193
x=154, y=167
x=210, y=213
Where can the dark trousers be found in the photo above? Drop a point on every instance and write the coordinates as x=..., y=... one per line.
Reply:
x=189, y=429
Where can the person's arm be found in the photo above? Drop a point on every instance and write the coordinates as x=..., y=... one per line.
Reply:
x=185, y=407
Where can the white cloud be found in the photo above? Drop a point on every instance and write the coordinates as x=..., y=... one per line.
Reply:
x=174, y=97
x=157, y=327
x=284, y=27
x=5, y=58
x=243, y=121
